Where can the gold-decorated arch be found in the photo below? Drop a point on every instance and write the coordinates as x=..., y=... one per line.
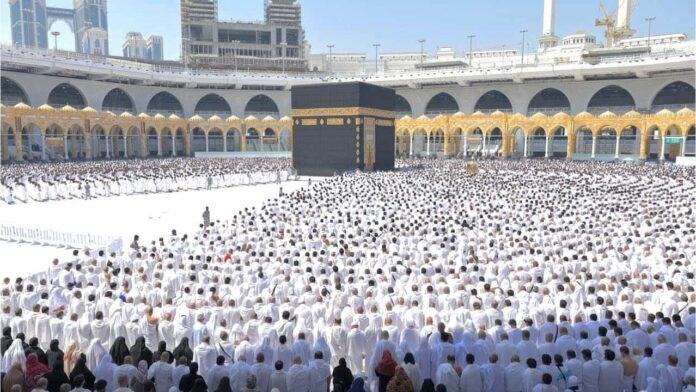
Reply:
x=124, y=133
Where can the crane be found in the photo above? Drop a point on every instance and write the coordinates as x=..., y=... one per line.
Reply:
x=617, y=25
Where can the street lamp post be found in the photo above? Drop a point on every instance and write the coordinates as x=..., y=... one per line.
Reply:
x=524, y=32
x=376, y=57
x=471, y=49
x=330, y=57
x=55, y=35
x=649, y=20
x=422, y=41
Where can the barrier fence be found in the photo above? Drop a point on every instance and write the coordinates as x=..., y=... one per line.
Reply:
x=36, y=235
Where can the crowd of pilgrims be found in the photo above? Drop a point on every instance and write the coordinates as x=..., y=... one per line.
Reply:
x=31, y=182
x=529, y=276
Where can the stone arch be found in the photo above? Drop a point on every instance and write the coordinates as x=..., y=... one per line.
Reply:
x=419, y=142
x=213, y=105
x=611, y=98
x=77, y=142
x=198, y=140
x=8, y=147
x=456, y=141
x=494, y=141
x=12, y=93
x=583, y=141
x=216, y=142
x=54, y=143
x=674, y=96
x=606, y=141
x=284, y=139
x=116, y=137
x=166, y=142
x=31, y=139
x=549, y=101
x=537, y=142
x=270, y=140
x=402, y=107
x=630, y=141
x=437, y=142
x=151, y=142
x=98, y=142
x=165, y=103
x=690, y=142
x=558, y=142
x=233, y=140
x=179, y=142
x=492, y=101
x=118, y=101
x=260, y=106
x=517, y=136
x=253, y=139
x=441, y=103
x=66, y=94
x=134, y=142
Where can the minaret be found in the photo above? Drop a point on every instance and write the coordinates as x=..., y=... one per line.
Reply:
x=548, y=38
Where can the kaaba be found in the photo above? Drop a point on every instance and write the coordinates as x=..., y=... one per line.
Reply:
x=342, y=127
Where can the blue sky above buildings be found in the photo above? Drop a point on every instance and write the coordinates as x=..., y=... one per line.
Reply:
x=354, y=25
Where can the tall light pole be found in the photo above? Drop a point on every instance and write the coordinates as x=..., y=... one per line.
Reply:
x=55, y=35
x=421, y=41
x=523, y=35
x=376, y=57
x=649, y=20
x=471, y=49
x=330, y=57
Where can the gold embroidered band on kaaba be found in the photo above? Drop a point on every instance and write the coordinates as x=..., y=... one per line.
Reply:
x=348, y=111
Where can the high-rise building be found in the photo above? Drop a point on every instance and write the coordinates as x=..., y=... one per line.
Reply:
x=155, y=47
x=29, y=23
x=137, y=47
x=276, y=44
x=91, y=14
x=285, y=12
x=134, y=46
x=94, y=41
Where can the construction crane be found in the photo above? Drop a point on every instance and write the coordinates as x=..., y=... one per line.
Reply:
x=617, y=24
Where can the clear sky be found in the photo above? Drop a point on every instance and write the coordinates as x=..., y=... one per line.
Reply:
x=354, y=25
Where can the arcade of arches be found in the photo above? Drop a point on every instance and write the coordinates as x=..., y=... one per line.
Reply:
x=68, y=133
x=47, y=133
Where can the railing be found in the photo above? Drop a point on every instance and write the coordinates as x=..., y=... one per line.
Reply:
x=165, y=112
x=261, y=115
x=60, y=238
x=614, y=109
x=548, y=111
x=211, y=113
x=117, y=110
x=672, y=108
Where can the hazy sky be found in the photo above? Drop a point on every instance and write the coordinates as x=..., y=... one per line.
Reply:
x=354, y=25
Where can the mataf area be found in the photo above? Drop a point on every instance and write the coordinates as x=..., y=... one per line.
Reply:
x=347, y=196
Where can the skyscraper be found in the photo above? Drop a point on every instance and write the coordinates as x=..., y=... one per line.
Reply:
x=91, y=14
x=283, y=12
x=154, y=46
x=29, y=23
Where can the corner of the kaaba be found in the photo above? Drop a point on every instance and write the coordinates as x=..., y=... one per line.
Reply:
x=339, y=128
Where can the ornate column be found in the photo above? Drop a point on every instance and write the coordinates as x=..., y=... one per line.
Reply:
x=618, y=142
x=18, y=139
x=570, y=146
x=546, y=147
x=594, y=146
x=447, y=145
x=484, y=144
x=125, y=145
x=644, y=146
x=74, y=145
x=207, y=146
x=65, y=147
x=108, y=150
x=143, y=141
x=662, y=146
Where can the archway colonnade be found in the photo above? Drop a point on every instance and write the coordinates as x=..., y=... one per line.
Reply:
x=68, y=133
x=583, y=136
x=46, y=133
